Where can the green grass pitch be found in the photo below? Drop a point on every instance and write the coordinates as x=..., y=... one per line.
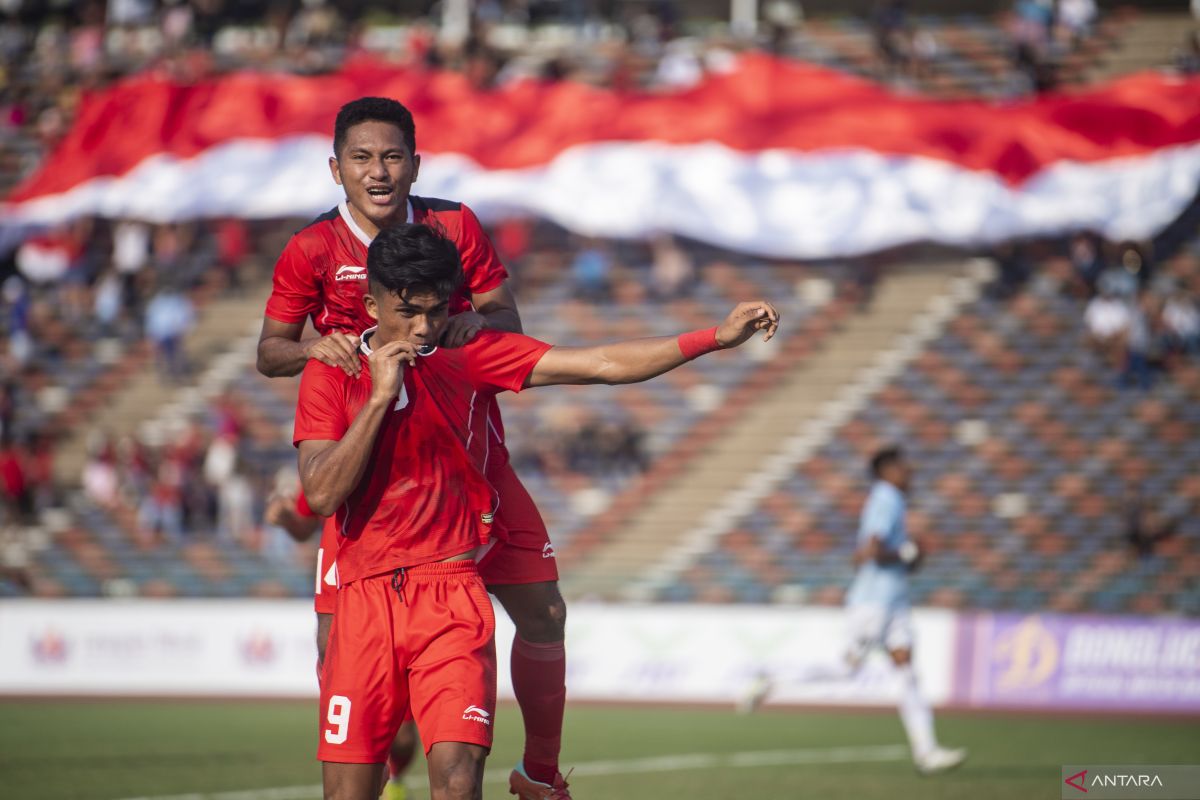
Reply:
x=111, y=750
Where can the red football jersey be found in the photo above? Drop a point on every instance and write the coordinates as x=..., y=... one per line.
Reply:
x=322, y=272
x=423, y=496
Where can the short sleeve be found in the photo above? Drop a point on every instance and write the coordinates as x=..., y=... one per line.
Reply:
x=295, y=293
x=498, y=361
x=321, y=406
x=878, y=516
x=482, y=269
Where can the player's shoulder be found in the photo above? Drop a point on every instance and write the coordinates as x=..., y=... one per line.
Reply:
x=436, y=205
x=445, y=215
x=316, y=233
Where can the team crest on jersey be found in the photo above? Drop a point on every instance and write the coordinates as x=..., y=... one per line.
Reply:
x=348, y=272
x=487, y=517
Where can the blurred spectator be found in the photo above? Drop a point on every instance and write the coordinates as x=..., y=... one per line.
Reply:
x=1121, y=279
x=672, y=273
x=1086, y=259
x=1013, y=270
x=1142, y=342
x=17, y=300
x=100, y=478
x=235, y=504
x=1181, y=322
x=109, y=302
x=1077, y=18
x=889, y=25
x=1188, y=59
x=1108, y=318
x=130, y=255
x=1145, y=526
x=15, y=490
x=169, y=319
x=160, y=515
x=591, y=272
x=233, y=245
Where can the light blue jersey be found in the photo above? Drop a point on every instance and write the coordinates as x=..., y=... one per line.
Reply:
x=882, y=518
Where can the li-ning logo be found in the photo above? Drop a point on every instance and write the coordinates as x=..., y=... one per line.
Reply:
x=547, y=550
x=476, y=714
x=1080, y=776
x=347, y=272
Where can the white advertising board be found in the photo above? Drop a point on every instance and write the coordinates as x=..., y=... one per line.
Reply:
x=626, y=653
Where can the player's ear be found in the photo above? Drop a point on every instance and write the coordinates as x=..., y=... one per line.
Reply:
x=372, y=306
x=335, y=171
x=416, y=161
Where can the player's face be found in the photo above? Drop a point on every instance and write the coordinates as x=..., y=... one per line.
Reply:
x=903, y=471
x=417, y=317
x=377, y=170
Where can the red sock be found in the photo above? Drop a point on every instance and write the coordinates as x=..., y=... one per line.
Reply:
x=539, y=676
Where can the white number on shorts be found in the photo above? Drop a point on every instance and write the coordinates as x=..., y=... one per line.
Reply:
x=339, y=717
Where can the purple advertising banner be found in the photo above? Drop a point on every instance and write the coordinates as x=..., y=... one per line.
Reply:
x=1078, y=662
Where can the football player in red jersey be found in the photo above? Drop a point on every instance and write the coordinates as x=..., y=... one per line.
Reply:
x=321, y=276
x=396, y=452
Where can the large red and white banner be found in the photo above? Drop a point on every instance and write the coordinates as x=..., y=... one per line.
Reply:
x=774, y=157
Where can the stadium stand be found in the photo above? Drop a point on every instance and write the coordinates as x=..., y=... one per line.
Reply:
x=1036, y=467
x=1010, y=481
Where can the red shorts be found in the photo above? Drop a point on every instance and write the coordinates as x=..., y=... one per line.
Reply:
x=428, y=645
x=522, y=552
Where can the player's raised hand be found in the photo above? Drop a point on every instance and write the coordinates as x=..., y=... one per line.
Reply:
x=387, y=369
x=337, y=350
x=744, y=320
x=462, y=328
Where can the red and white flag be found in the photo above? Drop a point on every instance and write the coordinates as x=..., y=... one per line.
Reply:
x=773, y=157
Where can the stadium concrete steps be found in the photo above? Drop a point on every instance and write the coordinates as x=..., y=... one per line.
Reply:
x=1146, y=41
x=796, y=400
x=223, y=326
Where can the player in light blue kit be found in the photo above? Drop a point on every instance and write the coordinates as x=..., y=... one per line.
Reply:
x=877, y=603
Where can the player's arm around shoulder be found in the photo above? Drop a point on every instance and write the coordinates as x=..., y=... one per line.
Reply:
x=332, y=466
x=636, y=360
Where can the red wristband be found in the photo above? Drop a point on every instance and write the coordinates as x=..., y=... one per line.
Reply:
x=697, y=343
x=302, y=506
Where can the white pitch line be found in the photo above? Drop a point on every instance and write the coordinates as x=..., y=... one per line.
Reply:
x=678, y=763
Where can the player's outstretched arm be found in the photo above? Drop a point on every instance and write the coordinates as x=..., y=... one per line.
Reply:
x=641, y=359
x=282, y=354
x=330, y=470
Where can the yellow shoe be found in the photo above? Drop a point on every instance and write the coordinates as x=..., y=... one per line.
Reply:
x=526, y=788
x=394, y=790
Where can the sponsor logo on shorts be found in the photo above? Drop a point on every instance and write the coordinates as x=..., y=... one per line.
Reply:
x=547, y=550
x=347, y=272
x=476, y=714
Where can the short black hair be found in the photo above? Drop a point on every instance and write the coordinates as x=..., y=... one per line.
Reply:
x=374, y=109
x=885, y=458
x=410, y=258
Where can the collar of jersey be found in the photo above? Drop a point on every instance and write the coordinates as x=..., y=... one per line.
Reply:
x=358, y=232
x=364, y=343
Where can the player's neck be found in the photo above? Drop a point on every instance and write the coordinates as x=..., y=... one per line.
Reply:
x=369, y=228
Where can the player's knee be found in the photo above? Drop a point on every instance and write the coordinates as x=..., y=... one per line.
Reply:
x=901, y=657
x=459, y=777
x=541, y=616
